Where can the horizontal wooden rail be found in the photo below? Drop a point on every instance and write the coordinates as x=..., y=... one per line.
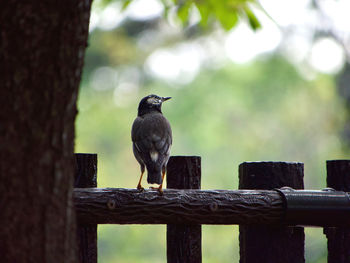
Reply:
x=268, y=207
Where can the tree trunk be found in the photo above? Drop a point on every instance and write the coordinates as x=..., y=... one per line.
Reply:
x=41, y=57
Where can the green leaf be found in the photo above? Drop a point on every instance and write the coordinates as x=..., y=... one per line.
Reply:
x=183, y=11
x=227, y=12
x=253, y=20
x=126, y=4
x=204, y=11
x=228, y=18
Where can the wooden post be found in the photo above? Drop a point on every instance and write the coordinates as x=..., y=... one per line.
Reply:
x=86, y=177
x=338, y=178
x=184, y=242
x=271, y=244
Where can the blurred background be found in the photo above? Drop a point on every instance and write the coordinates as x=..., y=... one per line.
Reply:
x=270, y=83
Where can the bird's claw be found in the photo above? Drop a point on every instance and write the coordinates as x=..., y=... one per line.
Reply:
x=140, y=188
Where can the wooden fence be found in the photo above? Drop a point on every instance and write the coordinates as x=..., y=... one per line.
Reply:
x=270, y=207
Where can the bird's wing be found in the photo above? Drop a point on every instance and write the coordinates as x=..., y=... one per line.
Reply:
x=152, y=138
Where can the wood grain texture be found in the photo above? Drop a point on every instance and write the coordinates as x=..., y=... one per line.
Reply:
x=338, y=178
x=271, y=244
x=184, y=172
x=130, y=206
x=86, y=176
x=184, y=242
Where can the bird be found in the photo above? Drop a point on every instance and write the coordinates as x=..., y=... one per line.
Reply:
x=151, y=140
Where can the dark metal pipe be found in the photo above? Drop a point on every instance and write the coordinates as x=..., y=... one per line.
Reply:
x=316, y=208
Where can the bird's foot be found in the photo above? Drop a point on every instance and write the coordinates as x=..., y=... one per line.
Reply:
x=140, y=188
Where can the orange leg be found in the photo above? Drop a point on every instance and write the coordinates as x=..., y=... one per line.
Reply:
x=139, y=187
x=160, y=188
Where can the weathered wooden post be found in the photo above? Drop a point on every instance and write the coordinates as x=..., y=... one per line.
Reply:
x=86, y=177
x=338, y=178
x=271, y=244
x=184, y=242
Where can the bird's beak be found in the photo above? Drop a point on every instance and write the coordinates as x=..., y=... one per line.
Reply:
x=165, y=98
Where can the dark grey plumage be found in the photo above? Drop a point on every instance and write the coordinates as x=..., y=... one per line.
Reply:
x=152, y=138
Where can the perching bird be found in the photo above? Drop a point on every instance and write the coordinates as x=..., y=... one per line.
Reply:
x=151, y=140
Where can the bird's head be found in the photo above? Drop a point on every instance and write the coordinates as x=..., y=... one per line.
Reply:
x=151, y=103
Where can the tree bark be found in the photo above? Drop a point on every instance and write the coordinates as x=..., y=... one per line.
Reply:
x=41, y=52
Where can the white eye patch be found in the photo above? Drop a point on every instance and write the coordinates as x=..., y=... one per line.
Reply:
x=153, y=100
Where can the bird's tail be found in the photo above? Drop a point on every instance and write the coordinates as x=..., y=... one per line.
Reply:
x=154, y=177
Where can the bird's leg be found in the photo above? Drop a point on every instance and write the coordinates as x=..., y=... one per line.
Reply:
x=160, y=188
x=139, y=187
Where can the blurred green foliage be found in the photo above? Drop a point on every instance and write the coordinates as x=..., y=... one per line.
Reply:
x=261, y=111
x=227, y=12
